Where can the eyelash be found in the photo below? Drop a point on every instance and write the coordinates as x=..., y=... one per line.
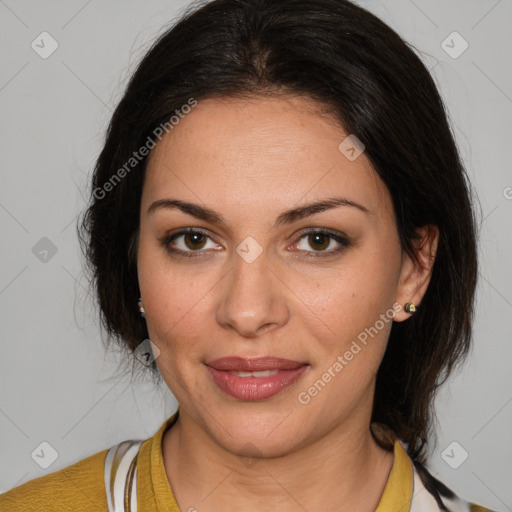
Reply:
x=338, y=237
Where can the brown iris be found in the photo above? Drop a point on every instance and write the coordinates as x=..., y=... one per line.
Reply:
x=196, y=242
x=316, y=239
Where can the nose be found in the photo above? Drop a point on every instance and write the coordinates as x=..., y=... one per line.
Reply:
x=253, y=299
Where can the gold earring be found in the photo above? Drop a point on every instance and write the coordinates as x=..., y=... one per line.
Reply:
x=141, y=308
x=410, y=308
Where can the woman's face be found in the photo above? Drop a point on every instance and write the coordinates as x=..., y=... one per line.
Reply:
x=260, y=276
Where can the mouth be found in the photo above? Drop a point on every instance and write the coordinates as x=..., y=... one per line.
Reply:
x=254, y=379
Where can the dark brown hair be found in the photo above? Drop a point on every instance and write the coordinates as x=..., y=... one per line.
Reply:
x=377, y=88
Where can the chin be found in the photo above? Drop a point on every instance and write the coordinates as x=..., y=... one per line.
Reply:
x=256, y=434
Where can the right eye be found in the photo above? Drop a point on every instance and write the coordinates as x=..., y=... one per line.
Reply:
x=188, y=241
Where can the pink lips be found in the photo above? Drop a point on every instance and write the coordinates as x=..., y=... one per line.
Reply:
x=254, y=387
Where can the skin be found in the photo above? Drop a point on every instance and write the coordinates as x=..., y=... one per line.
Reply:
x=250, y=160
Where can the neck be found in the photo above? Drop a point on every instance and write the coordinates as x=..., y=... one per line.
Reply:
x=344, y=470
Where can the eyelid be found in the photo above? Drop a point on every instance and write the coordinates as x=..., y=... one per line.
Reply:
x=333, y=233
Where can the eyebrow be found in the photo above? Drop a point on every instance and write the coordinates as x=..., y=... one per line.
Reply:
x=287, y=217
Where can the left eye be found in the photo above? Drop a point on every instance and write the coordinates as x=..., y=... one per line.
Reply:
x=322, y=242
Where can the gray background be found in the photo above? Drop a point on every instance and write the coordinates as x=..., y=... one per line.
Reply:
x=56, y=383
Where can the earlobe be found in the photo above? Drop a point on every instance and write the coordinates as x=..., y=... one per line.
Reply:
x=141, y=308
x=410, y=308
x=416, y=272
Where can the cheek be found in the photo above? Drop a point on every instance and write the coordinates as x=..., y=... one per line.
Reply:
x=354, y=295
x=356, y=305
x=176, y=302
x=175, y=294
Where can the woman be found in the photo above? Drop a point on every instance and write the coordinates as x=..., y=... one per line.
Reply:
x=281, y=197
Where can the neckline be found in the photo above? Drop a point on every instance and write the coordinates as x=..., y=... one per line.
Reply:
x=396, y=497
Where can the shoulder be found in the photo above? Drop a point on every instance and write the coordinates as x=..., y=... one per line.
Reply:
x=431, y=494
x=78, y=487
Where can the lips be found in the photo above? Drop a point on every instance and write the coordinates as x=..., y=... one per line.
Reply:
x=240, y=364
x=254, y=379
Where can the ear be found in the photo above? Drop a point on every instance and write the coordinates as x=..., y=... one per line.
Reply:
x=415, y=275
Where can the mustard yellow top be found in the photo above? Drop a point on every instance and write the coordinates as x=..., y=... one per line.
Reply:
x=81, y=486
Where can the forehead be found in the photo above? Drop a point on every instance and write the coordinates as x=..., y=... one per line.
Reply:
x=260, y=152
